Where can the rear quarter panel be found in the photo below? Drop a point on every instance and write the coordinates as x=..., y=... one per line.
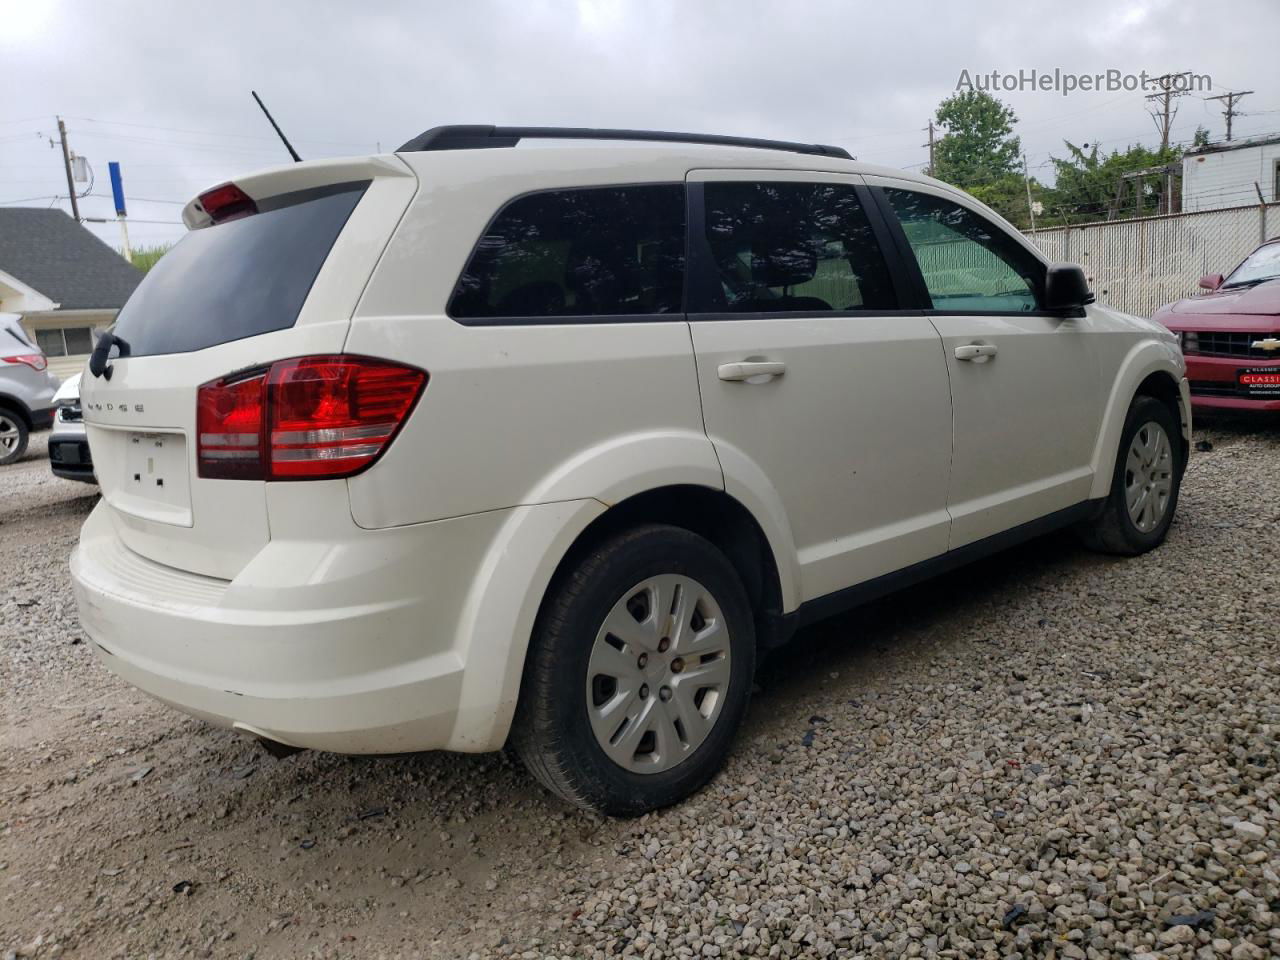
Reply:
x=523, y=413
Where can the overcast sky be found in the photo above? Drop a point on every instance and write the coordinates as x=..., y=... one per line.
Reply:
x=164, y=87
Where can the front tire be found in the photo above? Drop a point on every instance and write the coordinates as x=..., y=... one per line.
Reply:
x=1144, y=487
x=638, y=673
x=13, y=436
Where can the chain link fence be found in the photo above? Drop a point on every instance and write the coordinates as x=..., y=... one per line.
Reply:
x=1139, y=265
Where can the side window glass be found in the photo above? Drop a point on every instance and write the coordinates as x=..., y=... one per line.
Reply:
x=783, y=247
x=968, y=263
x=607, y=251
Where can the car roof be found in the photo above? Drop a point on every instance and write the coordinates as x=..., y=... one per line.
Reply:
x=628, y=162
x=487, y=136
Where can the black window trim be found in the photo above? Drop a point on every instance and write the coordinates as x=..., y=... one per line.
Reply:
x=578, y=319
x=700, y=263
x=911, y=267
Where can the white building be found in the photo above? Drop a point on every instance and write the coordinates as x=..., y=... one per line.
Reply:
x=1231, y=174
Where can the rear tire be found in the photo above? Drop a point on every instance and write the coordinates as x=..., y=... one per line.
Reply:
x=638, y=673
x=13, y=436
x=1144, y=486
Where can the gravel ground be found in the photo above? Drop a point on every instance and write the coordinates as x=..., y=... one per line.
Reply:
x=1050, y=754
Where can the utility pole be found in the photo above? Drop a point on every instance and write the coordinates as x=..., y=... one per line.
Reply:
x=1169, y=88
x=930, y=144
x=1230, y=98
x=1031, y=210
x=66, y=163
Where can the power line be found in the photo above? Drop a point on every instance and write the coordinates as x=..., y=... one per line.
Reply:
x=208, y=147
x=181, y=203
x=217, y=133
x=132, y=220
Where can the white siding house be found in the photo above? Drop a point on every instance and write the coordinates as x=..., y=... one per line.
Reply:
x=66, y=283
x=1225, y=174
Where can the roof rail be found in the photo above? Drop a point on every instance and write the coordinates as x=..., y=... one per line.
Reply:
x=479, y=136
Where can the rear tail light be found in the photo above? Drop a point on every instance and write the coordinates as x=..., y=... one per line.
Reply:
x=229, y=427
x=227, y=202
x=303, y=419
x=35, y=361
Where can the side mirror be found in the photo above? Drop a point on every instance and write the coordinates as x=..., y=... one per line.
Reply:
x=1065, y=288
x=1211, y=281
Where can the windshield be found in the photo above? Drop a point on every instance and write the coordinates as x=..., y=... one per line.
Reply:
x=1262, y=264
x=237, y=279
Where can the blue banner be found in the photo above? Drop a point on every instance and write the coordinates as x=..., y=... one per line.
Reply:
x=117, y=188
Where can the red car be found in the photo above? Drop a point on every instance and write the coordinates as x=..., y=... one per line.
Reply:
x=1231, y=336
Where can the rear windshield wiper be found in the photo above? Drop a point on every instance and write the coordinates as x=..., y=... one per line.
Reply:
x=99, y=360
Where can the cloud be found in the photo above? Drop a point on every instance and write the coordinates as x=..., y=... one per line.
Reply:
x=164, y=88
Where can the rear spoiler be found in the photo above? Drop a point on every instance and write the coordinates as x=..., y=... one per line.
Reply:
x=263, y=184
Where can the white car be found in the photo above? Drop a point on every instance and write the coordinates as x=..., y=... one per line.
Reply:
x=478, y=441
x=69, y=456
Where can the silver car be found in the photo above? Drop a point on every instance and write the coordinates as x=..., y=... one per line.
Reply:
x=26, y=389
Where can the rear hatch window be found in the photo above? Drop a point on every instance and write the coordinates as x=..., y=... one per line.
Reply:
x=237, y=279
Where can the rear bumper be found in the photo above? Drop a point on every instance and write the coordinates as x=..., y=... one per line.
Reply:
x=1213, y=383
x=350, y=647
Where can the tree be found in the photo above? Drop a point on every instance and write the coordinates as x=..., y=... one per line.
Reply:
x=979, y=146
x=1007, y=196
x=144, y=258
x=1093, y=186
x=1201, y=138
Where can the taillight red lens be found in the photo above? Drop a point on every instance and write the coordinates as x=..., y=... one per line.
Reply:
x=227, y=202
x=307, y=418
x=229, y=427
x=35, y=361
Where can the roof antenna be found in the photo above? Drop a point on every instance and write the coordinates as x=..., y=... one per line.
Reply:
x=280, y=133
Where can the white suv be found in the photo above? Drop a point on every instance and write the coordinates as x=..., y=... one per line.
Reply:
x=551, y=443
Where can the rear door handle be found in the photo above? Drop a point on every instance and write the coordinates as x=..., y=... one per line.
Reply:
x=972, y=351
x=750, y=369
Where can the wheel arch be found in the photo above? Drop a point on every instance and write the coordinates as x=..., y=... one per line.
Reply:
x=16, y=406
x=1152, y=368
x=539, y=544
x=717, y=517
x=1162, y=385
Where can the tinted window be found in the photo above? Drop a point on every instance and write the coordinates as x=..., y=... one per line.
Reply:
x=792, y=248
x=594, y=252
x=237, y=279
x=969, y=264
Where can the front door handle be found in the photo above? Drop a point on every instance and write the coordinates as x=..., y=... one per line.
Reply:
x=975, y=351
x=750, y=369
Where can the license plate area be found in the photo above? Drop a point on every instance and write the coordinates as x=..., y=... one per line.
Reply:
x=1259, y=383
x=156, y=481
